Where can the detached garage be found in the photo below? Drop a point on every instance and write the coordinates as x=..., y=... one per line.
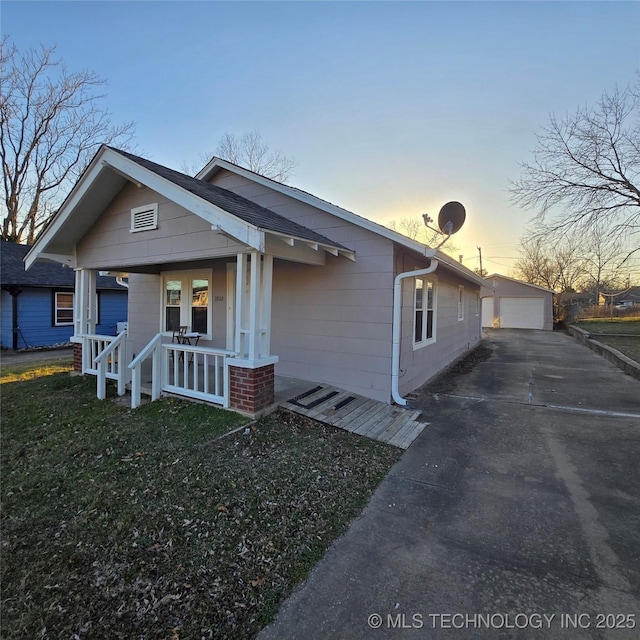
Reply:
x=514, y=304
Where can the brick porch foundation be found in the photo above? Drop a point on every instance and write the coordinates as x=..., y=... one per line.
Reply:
x=77, y=357
x=251, y=390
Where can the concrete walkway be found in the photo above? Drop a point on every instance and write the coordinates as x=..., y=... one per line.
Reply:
x=8, y=358
x=515, y=514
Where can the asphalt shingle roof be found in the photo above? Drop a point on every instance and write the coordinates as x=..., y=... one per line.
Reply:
x=236, y=205
x=41, y=274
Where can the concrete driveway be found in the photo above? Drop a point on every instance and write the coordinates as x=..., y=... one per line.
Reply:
x=515, y=514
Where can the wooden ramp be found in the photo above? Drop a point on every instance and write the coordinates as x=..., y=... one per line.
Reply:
x=357, y=414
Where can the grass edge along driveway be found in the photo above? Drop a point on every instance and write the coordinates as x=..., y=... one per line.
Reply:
x=625, y=338
x=120, y=524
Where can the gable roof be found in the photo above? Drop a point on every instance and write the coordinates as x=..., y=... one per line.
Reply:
x=226, y=211
x=528, y=284
x=247, y=210
x=42, y=274
x=217, y=164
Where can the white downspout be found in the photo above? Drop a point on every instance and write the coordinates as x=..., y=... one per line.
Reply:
x=397, y=313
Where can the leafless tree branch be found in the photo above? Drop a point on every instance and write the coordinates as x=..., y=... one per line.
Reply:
x=586, y=170
x=51, y=124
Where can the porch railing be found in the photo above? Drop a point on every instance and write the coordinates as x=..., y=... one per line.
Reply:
x=92, y=346
x=153, y=349
x=110, y=362
x=195, y=372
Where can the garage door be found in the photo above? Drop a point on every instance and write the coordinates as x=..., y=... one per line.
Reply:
x=522, y=313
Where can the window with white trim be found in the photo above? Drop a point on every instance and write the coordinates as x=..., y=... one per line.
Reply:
x=460, y=302
x=424, y=324
x=62, y=308
x=186, y=301
x=144, y=218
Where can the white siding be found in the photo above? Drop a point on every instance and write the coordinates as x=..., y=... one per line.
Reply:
x=330, y=323
x=144, y=310
x=180, y=235
x=453, y=337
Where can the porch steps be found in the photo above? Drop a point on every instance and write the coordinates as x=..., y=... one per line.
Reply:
x=339, y=408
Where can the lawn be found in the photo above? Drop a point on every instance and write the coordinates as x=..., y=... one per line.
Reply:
x=622, y=334
x=148, y=524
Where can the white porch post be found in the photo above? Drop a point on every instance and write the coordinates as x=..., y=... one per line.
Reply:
x=251, y=371
x=241, y=279
x=265, y=305
x=253, y=305
x=85, y=303
x=255, y=290
x=85, y=314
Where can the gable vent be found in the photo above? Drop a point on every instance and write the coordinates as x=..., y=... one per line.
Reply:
x=144, y=218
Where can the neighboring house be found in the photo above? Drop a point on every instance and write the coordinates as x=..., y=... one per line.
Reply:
x=36, y=306
x=273, y=280
x=627, y=298
x=514, y=304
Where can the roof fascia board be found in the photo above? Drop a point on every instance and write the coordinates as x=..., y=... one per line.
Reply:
x=316, y=202
x=105, y=158
x=70, y=202
x=334, y=251
x=528, y=284
x=461, y=270
x=214, y=215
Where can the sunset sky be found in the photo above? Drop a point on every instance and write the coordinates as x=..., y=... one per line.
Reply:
x=389, y=109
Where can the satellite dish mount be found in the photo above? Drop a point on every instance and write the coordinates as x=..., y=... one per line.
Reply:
x=450, y=220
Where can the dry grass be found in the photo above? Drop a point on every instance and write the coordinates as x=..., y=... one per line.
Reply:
x=144, y=524
x=622, y=334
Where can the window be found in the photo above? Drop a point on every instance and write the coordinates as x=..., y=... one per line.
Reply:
x=186, y=302
x=199, y=304
x=424, y=313
x=62, y=308
x=172, y=302
x=144, y=218
x=460, y=302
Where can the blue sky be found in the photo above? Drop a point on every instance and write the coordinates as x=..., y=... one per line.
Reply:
x=390, y=109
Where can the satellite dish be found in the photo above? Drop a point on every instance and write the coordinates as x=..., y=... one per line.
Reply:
x=451, y=218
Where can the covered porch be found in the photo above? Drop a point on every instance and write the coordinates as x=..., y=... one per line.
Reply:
x=234, y=370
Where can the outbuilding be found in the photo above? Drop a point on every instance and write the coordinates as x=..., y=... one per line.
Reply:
x=514, y=304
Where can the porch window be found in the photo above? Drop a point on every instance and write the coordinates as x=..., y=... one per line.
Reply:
x=173, y=298
x=62, y=308
x=199, y=304
x=186, y=302
x=424, y=313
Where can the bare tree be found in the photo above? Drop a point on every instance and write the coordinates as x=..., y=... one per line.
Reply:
x=604, y=259
x=586, y=170
x=558, y=266
x=51, y=124
x=414, y=228
x=411, y=227
x=249, y=151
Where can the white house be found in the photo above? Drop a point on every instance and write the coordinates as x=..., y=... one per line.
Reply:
x=273, y=280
